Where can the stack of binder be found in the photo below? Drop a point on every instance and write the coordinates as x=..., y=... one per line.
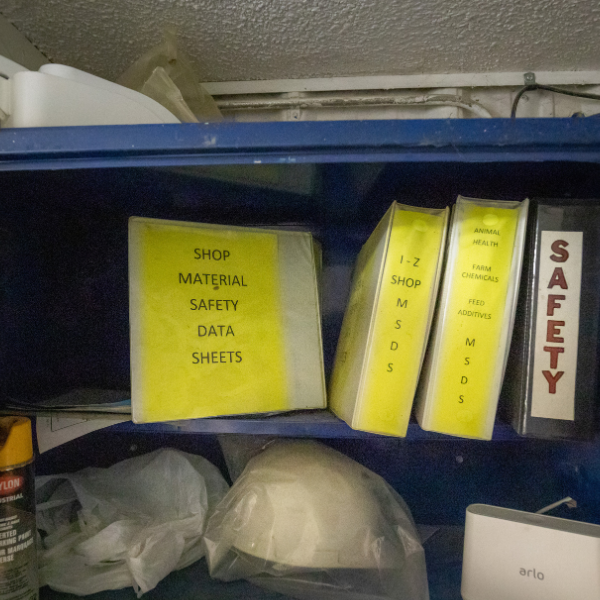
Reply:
x=377, y=366
x=226, y=321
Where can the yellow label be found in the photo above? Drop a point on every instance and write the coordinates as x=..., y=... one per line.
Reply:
x=401, y=321
x=208, y=330
x=470, y=351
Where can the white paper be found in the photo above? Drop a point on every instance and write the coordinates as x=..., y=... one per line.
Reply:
x=56, y=430
x=557, y=325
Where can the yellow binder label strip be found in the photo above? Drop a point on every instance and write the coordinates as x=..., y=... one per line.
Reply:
x=401, y=321
x=470, y=347
x=211, y=339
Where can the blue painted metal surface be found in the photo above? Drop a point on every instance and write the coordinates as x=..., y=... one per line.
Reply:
x=318, y=424
x=479, y=140
x=63, y=314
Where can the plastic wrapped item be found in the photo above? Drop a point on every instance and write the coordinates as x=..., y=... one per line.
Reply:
x=128, y=525
x=239, y=448
x=306, y=521
x=167, y=75
x=160, y=87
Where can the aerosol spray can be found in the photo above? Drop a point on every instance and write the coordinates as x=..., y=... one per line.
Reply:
x=18, y=560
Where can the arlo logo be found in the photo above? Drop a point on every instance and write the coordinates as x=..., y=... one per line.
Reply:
x=532, y=573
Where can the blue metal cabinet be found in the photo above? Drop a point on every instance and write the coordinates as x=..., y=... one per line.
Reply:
x=67, y=194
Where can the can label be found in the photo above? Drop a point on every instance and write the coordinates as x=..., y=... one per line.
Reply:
x=18, y=561
x=10, y=484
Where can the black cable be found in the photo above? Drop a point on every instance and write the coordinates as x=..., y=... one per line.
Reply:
x=548, y=88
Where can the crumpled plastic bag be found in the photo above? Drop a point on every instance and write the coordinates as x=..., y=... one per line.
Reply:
x=239, y=448
x=167, y=75
x=306, y=521
x=160, y=87
x=128, y=525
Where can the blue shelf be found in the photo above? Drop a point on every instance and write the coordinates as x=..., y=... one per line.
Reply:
x=457, y=140
x=75, y=188
x=314, y=424
x=73, y=331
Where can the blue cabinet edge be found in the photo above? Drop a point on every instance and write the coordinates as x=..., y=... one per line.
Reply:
x=320, y=424
x=466, y=140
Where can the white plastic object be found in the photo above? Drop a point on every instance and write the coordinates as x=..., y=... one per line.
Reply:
x=515, y=555
x=73, y=74
x=9, y=67
x=58, y=95
x=314, y=519
x=309, y=522
x=128, y=525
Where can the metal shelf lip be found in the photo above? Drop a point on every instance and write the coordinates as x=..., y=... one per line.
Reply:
x=452, y=140
x=317, y=424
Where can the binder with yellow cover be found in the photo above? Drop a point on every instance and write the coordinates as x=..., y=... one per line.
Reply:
x=466, y=359
x=387, y=320
x=224, y=321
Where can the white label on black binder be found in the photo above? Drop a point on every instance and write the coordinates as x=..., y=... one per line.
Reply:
x=557, y=325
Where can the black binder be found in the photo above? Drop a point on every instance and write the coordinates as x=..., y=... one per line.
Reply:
x=547, y=350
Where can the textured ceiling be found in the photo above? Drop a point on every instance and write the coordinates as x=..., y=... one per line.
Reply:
x=275, y=39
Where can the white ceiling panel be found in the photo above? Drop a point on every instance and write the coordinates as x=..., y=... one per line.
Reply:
x=280, y=39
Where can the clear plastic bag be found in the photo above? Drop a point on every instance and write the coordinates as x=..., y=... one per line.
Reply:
x=239, y=448
x=167, y=75
x=306, y=521
x=160, y=87
x=128, y=525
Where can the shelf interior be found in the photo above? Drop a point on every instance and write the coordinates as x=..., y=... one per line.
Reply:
x=64, y=318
